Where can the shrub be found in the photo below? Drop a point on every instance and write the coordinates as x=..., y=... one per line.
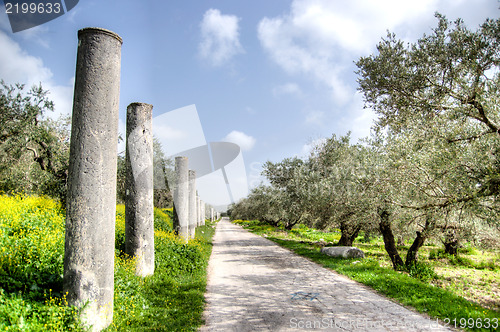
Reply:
x=31, y=266
x=437, y=254
x=422, y=271
x=175, y=256
x=32, y=244
x=163, y=220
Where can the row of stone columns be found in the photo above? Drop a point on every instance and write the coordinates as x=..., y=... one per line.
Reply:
x=92, y=173
x=189, y=208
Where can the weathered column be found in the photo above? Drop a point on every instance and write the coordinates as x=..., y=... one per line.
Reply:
x=203, y=216
x=181, y=198
x=139, y=214
x=192, y=204
x=198, y=210
x=91, y=194
x=211, y=214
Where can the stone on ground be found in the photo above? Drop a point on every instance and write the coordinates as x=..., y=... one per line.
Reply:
x=344, y=252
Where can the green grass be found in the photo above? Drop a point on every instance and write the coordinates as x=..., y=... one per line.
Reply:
x=173, y=298
x=423, y=295
x=31, y=267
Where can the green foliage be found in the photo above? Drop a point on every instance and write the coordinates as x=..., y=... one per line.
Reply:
x=173, y=298
x=121, y=175
x=120, y=229
x=468, y=249
x=431, y=166
x=421, y=271
x=458, y=260
x=31, y=268
x=175, y=257
x=34, y=150
x=20, y=314
x=32, y=245
x=163, y=219
x=332, y=188
x=437, y=103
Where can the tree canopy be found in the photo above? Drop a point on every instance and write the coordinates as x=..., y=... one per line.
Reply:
x=431, y=167
x=34, y=149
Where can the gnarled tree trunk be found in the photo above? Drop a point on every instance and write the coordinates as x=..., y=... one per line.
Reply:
x=389, y=242
x=411, y=256
x=451, y=248
x=348, y=234
x=451, y=242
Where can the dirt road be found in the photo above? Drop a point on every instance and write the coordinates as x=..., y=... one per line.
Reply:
x=255, y=285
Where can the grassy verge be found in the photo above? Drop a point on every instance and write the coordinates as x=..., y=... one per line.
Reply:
x=421, y=294
x=173, y=298
x=31, y=268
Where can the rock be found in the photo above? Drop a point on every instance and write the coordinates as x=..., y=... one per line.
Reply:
x=344, y=252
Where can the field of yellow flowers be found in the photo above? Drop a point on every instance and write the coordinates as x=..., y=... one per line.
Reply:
x=31, y=271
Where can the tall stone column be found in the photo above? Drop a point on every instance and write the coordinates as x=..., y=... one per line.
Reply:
x=211, y=214
x=181, y=198
x=198, y=210
x=89, y=246
x=192, y=204
x=203, y=215
x=139, y=214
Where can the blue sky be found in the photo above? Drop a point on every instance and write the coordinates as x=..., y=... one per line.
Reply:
x=271, y=76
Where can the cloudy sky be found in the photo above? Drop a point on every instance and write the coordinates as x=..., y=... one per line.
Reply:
x=271, y=76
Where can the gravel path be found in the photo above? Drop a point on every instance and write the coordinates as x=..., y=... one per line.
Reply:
x=255, y=285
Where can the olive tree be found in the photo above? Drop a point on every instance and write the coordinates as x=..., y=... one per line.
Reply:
x=437, y=106
x=289, y=197
x=34, y=150
x=340, y=183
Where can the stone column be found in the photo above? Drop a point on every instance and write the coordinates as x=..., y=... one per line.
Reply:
x=203, y=215
x=89, y=246
x=192, y=204
x=181, y=198
x=211, y=214
x=198, y=210
x=139, y=214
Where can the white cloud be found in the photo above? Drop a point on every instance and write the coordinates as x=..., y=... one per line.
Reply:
x=321, y=38
x=36, y=34
x=315, y=118
x=243, y=140
x=358, y=120
x=220, y=37
x=288, y=88
x=17, y=66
